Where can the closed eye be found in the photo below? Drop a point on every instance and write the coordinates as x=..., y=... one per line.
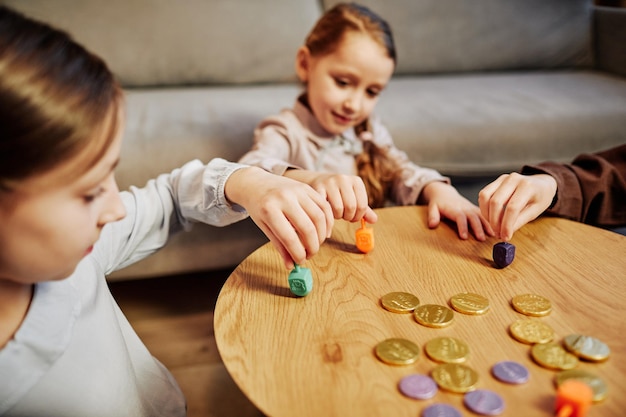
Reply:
x=373, y=92
x=342, y=82
x=91, y=197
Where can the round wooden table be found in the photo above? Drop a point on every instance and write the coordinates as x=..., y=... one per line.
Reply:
x=314, y=356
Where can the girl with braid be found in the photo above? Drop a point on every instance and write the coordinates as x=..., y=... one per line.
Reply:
x=330, y=139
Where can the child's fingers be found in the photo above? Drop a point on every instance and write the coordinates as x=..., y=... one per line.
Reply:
x=313, y=219
x=319, y=211
x=335, y=199
x=298, y=228
x=520, y=209
x=486, y=226
x=363, y=209
x=485, y=195
x=499, y=204
x=370, y=216
x=293, y=253
x=461, y=225
x=434, y=217
x=476, y=224
x=350, y=205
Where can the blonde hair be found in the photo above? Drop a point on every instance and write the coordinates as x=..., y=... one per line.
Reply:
x=373, y=164
x=56, y=100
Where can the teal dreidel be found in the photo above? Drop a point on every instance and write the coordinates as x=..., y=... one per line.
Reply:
x=300, y=281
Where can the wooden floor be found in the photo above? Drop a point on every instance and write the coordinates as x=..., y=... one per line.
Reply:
x=174, y=318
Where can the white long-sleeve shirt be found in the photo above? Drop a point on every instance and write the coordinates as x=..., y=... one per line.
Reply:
x=75, y=354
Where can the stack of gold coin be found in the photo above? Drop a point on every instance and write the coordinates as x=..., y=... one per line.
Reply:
x=455, y=377
x=531, y=331
x=397, y=351
x=399, y=302
x=586, y=347
x=447, y=350
x=469, y=303
x=553, y=356
x=597, y=384
x=433, y=315
x=532, y=305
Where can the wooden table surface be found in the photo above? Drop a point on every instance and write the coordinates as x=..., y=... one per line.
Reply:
x=314, y=356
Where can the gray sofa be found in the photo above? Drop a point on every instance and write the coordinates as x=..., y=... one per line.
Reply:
x=482, y=87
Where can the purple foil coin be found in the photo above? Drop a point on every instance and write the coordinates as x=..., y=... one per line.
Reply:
x=420, y=387
x=484, y=402
x=503, y=254
x=441, y=410
x=510, y=372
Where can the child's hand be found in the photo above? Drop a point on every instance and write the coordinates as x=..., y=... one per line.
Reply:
x=293, y=215
x=445, y=201
x=513, y=200
x=345, y=193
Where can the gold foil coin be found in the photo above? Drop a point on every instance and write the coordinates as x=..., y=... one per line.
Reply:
x=455, y=377
x=469, y=303
x=553, y=356
x=433, y=315
x=399, y=302
x=586, y=347
x=531, y=331
x=532, y=305
x=447, y=350
x=597, y=384
x=397, y=351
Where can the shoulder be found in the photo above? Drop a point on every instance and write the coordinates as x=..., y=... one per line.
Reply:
x=285, y=121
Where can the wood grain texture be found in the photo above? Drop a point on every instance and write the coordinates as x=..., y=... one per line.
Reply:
x=313, y=356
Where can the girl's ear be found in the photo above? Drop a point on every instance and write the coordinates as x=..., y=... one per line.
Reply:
x=303, y=57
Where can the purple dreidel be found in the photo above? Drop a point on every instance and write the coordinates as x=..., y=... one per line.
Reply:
x=503, y=254
x=300, y=281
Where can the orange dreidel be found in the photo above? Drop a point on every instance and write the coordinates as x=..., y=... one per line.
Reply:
x=365, y=238
x=573, y=399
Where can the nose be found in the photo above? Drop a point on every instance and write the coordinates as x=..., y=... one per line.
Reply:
x=114, y=209
x=353, y=102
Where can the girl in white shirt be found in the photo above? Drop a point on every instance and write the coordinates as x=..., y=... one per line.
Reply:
x=66, y=349
x=330, y=135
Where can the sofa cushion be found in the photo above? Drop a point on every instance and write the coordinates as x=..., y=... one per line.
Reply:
x=162, y=42
x=484, y=124
x=482, y=35
x=166, y=127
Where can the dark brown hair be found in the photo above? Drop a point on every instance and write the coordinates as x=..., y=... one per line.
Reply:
x=56, y=100
x=373, y=165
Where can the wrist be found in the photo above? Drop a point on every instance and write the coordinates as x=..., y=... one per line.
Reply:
x=428, y=190
x=235, y=186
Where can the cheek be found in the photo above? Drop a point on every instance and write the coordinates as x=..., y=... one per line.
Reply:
x=72, y=226
x=369, y=106
x=330, y=95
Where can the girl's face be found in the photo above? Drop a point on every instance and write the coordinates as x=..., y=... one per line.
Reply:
x=343, y=86
x=53, y=219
